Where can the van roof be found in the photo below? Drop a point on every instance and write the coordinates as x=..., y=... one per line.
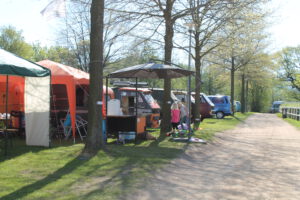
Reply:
x=277, y=102
x=133, y=89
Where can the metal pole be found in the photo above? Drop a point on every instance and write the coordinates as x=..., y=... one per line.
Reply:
x=136, y=107
x=189, y=86
x=106, y=109
x=6, y=120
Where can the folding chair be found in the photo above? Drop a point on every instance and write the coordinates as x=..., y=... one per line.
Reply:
x=66, y=125
x=81, y=126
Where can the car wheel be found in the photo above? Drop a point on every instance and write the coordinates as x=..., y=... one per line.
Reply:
x=220, y=115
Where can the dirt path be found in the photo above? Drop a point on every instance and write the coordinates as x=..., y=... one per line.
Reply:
x=260, y=159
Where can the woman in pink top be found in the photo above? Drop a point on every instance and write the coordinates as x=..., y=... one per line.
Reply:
x=175, y=116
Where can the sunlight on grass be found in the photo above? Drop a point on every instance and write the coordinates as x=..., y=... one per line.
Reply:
x=210, y=126
x=59, y=172
x=293, y=122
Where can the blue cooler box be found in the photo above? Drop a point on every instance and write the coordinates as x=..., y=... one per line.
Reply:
x=127, y=135
x=104, y=130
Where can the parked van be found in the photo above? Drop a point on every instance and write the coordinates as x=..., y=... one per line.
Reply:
x=158, y=95
x=222, y=106
x=237, y=106
x=276, y=106
x=147, y=106
x=205, y=106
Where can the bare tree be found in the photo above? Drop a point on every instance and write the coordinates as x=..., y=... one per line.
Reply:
x=76, y=31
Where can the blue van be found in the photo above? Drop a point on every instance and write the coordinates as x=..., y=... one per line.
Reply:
x=276, y=106
x=222, y=105
x=237, y=106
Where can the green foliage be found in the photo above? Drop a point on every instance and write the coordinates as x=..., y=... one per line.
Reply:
x=289, y=61
x=215, y=80
x=12, y=40
x=260, y=95
x=56, y=53
x=290, y=104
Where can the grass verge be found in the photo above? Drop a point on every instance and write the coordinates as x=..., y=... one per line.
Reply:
x=210, y=126
x=293, y=122
x=59, y=173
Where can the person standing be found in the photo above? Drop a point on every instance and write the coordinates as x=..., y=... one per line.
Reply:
x=183, y=114
x=175, y=116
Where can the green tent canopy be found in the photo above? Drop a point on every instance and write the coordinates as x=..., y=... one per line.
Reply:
x=11, y=64
x=36, y=90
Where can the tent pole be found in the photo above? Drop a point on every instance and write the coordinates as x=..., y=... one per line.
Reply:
x=106, y=108
x=6, y=120
x=136, y=106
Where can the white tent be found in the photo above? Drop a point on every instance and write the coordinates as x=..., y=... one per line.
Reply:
x=34, y=83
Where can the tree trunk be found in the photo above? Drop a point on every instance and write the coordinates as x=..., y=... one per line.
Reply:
x=246, y=96
x=169, y=33
x=210, y=84
x=94, y=140
x=166, y=120
x=232, y=84
x=243, y=104
x=197, y=81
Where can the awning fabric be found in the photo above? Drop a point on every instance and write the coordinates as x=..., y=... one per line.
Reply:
x=11, y=64
x=36, y=86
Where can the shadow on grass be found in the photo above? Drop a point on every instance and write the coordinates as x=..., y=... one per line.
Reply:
x=19, y=147
x=143, y=159
x=28, y=189
x=243, y=121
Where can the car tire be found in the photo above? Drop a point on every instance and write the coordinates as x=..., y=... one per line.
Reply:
x=219, y=115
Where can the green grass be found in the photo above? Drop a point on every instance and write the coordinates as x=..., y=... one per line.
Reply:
x=59, y=173
x=210, y=126
x=293, y=122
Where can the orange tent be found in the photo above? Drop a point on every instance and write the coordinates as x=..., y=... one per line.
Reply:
x=69, y=76
x=15, y=93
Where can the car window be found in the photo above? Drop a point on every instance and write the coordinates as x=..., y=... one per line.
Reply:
x=217, y=100
x=202, y=99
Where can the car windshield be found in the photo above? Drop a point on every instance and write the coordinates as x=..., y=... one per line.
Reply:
x=149, y=98
x=173, y=97
x=208, y=100
x=276, y=105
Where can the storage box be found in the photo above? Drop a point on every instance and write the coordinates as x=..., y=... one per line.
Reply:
x=127, y=135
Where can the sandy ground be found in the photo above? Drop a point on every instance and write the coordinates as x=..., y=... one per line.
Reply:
x=260, y=159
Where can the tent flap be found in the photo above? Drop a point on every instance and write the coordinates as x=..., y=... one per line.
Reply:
x=37, y=110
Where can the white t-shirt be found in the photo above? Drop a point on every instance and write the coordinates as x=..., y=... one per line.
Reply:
x=183, y=111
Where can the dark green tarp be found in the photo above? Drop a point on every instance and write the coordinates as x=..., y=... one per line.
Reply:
x=11, y=64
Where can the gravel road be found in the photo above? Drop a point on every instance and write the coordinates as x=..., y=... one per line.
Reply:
x=259, y=159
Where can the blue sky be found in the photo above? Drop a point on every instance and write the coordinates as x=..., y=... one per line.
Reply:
x=25, y=15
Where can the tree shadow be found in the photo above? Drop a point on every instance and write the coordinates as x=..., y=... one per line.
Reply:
x=243, y=121
x=17, y=146
x=137, y=158
x=28, y=189
x=141, y=157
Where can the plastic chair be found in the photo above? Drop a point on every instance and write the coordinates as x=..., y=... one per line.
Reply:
x=66, y=125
